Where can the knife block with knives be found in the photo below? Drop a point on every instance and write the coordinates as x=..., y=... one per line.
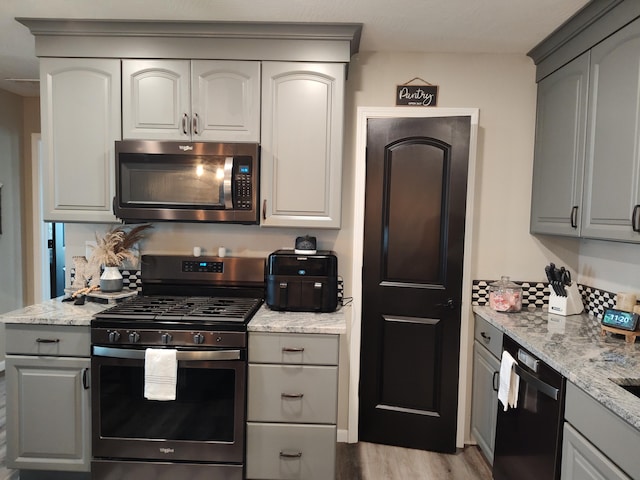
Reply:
x=564, y=297
x=571, y=304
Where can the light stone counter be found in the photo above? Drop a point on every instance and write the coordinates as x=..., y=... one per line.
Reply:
x=267, y=320
x=574, y=347
x=55, y=312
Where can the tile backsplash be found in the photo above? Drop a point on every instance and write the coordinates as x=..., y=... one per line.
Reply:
x=595, y=301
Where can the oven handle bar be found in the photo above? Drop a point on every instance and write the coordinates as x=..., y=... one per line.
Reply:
x=182, y=355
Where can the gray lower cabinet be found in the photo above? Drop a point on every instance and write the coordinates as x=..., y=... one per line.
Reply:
x=48, y=398
x=597, y=444
x=582, y=461
x=487, y=347
x=292, y=406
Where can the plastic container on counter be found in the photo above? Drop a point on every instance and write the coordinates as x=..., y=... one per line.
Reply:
x=505, y=296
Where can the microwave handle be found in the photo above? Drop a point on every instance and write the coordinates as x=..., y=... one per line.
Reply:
x=228, y=179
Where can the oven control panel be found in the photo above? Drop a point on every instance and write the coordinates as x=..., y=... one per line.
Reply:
x=202, y=266
x=174, y=338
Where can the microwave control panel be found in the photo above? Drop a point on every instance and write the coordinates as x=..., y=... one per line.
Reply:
x=242, y=174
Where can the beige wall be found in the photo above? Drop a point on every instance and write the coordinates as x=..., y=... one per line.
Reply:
x=30, y=125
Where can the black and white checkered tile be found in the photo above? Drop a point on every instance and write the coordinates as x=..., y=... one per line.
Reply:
x=595, y=301
x=130, y=278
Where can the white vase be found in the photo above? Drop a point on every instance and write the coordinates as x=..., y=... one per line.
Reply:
x=111, y=280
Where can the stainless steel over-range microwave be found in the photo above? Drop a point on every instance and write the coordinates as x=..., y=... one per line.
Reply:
x=186, y=181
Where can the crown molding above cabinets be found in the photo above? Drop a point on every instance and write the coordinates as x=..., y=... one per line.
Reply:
x=279, y=41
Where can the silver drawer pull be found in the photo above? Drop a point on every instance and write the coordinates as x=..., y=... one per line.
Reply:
x=485, y=336
x=292, y=395
x=290, y=454
x=292, y=349
x=47, y=340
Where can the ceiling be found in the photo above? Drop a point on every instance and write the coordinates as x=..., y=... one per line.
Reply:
x=444, y=26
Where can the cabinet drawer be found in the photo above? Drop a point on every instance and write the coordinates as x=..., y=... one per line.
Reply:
x=293, y=348
x=48, y=340
x=488, y=335
x=292, y=393
x=291, y=451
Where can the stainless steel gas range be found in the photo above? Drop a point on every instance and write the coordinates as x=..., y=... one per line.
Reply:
x=196, y=309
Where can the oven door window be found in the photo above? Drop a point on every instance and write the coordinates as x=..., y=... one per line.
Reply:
x=204, y=409
x=178, y=180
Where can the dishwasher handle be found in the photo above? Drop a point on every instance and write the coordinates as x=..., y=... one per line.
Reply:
x=548, y=390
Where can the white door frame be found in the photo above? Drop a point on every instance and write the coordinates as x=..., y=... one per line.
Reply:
x=364, y=114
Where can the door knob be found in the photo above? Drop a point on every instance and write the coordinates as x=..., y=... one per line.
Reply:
x=449, y=303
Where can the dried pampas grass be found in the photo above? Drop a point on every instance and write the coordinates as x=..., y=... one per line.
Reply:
x=116, y=245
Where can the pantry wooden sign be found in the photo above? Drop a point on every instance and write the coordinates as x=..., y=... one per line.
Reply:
x=423, y=95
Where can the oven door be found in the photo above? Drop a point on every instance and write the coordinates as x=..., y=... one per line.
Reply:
x=204, y=424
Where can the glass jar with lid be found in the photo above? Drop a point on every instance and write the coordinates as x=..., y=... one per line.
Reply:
x=505, y=296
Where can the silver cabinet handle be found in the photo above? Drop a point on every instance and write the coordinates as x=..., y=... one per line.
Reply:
x=292, y=395
x=194, y=122
x=47, y=340
x=485, y=336
x=185, y=124
x=290, y=454
x=292, y=349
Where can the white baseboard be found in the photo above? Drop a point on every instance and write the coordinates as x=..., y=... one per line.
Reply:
x=343, y=436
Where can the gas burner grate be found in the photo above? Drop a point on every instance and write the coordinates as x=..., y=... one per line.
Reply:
x=184, y=308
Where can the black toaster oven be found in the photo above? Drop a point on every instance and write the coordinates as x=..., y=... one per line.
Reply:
x=302, y=283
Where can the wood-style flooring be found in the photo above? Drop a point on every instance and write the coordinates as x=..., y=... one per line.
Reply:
x=370, y=461
x=358, y=461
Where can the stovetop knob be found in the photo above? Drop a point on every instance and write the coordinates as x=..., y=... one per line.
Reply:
x=134, y=337
x=198, y=339
x=114, y=336
x=166, y=338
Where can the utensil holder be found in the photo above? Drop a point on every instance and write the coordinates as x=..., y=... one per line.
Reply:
x=569, y=305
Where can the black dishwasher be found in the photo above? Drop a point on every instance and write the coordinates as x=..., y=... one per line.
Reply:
x=529, y=437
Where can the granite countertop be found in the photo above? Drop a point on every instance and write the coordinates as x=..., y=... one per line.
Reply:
x=573, y=346
x=267, y=320
x=57, y=312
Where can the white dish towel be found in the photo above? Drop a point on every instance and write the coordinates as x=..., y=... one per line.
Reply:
x=160, y=374
x=509, y=382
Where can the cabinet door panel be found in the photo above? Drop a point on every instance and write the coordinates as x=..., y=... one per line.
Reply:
x=613, y=135
x=156, y=99
x=226, y=100
x=80, y=107
x=48, y=413
x=582, y=461
x=293, y=393
x=302, y=120
x=279, y=451
x=559, y=149
x=484, y=406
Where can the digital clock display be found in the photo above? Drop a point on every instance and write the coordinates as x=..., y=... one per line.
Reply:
x=620, y=319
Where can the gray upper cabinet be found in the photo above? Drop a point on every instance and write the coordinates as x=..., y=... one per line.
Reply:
x=80, y=115
x=559, y=150
x=198, y=100
x=301, y=144
x=586, y=180
x=612, y=183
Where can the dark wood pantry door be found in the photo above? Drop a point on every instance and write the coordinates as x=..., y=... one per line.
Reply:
x=412, y=280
